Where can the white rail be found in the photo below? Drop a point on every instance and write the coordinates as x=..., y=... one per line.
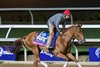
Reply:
x=43, y=26
x=13, y=39
x=39, y=26
x=24, y=9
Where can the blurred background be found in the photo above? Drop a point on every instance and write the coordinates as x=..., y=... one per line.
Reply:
x=37, y=12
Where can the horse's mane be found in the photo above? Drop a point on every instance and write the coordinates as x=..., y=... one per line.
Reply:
x=66, y=29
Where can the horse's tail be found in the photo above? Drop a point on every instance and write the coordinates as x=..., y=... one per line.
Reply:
x=17, y=45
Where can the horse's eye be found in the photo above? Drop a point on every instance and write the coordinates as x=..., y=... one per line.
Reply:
x=79, y=31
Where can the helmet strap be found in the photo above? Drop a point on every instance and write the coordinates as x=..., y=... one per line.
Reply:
x=71, y=17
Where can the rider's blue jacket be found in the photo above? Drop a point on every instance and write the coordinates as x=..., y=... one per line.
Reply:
x=56, y=19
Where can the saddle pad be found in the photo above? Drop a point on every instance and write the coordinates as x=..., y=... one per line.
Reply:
x=42, y=37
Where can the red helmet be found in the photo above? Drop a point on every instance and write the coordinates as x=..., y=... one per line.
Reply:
x=67, y=12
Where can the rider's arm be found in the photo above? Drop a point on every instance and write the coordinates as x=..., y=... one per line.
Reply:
x=63, y=25
x=57, y=24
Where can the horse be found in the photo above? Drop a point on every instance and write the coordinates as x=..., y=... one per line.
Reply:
x=62, y=45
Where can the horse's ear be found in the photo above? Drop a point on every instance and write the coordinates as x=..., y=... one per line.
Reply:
x=79, y=25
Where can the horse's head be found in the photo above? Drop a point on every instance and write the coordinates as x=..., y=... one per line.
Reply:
x=78, y=34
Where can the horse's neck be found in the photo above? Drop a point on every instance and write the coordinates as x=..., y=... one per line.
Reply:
x=68, y=36
x=65, y=41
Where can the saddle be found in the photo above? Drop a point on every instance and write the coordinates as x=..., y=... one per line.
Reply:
x=42, y=37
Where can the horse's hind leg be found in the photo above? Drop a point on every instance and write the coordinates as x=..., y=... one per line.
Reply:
x=36, y=56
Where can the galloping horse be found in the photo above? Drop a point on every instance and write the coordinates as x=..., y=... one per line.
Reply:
x=62, y=44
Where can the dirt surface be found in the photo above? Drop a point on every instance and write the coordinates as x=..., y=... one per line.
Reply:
x=49, y=65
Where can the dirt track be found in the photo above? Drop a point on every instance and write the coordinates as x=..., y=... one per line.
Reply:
x=49, y=65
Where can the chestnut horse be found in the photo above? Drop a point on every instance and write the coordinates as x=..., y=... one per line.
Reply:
x=62, y=44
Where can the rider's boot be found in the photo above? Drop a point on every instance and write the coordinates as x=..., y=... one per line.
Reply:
x=49, y=43
x=47, y=47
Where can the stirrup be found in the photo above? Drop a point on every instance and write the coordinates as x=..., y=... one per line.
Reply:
x=50, y=47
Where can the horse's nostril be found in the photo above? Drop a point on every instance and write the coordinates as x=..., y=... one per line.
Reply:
x=81, y=41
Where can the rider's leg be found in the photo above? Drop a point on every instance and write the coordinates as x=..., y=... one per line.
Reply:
x=51, y=34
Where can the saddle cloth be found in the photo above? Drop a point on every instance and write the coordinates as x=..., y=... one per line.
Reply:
x=42, y=37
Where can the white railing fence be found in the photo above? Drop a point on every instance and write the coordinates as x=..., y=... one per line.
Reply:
x=42, y=26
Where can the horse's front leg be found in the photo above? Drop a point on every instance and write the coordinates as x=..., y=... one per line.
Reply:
x=61, y=55
x=70, y=55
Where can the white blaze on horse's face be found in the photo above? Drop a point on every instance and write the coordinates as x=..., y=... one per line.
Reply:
x=79, y=35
